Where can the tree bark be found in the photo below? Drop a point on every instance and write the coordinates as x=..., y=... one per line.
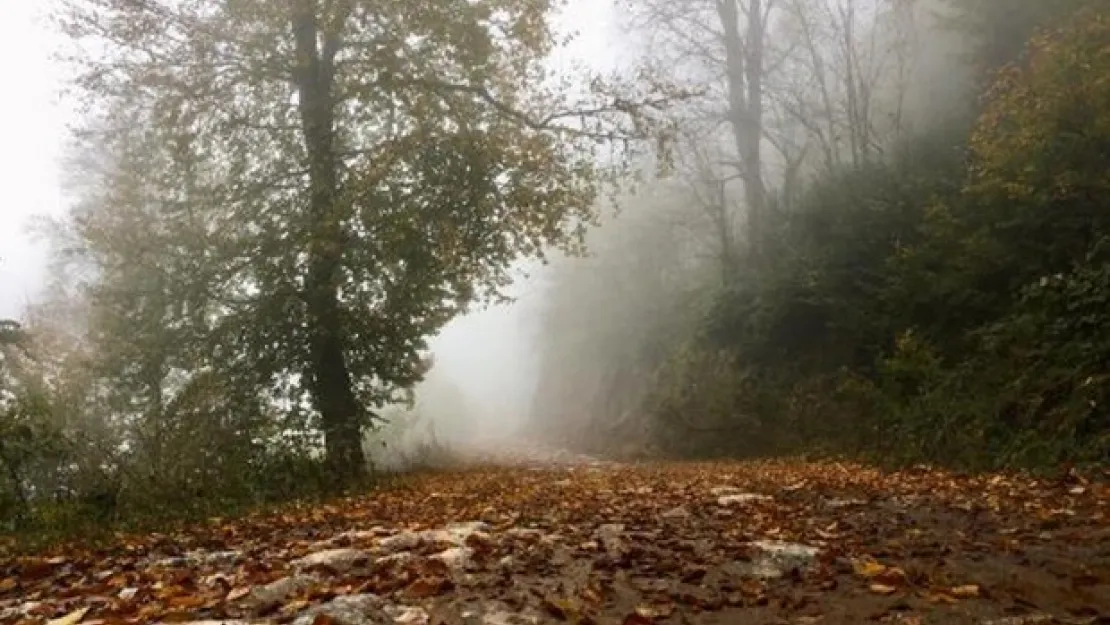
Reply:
x=744, y=68
x=331, y=385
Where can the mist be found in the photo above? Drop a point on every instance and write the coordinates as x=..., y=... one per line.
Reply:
x=495, y=359
x=607, y=324
x=552, y=311
x=296, y=256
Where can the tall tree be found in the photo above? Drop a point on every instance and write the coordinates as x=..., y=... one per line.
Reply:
x=845, y=80
x=360, y=173
x=723, y=43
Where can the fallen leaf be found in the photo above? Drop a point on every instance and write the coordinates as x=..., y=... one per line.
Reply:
x=965, y=592
x=236, y=594
x=72, y=618
x=883, y=589
x=636, y=618
x=892, y=576
x=868, y=568
x=427, y=587
x=940, y=597
x=558, y=608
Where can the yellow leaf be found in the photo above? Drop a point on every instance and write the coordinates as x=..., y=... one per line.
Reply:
x=868, y=568
x=965, y=592
x=883, y=589
x=72, y=618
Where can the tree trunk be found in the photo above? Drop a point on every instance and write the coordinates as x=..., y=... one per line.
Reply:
x=725, y=234
x=333, y=396
x=744, y=65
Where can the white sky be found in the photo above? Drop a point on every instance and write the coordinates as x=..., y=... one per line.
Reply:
x=486, y=353
x=31, y=131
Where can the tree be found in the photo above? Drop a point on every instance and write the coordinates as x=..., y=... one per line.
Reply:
x=802, y=87
x=1000, y=29
x=1039, y=163
x=362, y=173
x=723, y=43
x=845, y=80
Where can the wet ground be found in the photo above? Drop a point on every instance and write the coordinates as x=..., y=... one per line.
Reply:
x=560, y=538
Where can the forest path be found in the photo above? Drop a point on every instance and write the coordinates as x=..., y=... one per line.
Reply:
x=568, y=540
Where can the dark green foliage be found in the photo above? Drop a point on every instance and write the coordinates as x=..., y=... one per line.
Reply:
x=950, y=304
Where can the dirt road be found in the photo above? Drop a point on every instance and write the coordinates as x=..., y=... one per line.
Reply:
x=578, y=542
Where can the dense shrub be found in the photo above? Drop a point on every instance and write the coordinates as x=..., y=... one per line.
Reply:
x=948, y=304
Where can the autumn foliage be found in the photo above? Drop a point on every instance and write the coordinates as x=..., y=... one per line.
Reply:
x=941, y=304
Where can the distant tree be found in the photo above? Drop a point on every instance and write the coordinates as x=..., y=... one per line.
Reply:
x=725, y=44
x=1000, y=29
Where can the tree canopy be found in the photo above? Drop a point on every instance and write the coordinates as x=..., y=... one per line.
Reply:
x=297, y=195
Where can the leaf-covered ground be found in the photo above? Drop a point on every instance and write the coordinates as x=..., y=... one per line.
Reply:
x=759, y=542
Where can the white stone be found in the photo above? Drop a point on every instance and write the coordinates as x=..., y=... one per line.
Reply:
x=337, y=559
x=741, y=498
x=455, y=557
x=364, y=609
x=776, y=557
x=409, y=615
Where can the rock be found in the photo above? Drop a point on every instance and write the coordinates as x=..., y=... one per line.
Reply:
x=221, y=557
x=401, y=542
x=459, y=532
x=844, y=503
x=396, y=559
x=611, y=536
x=741, y=498
x=775, y=558
x=17, y=612
x=198, y=558
x=455, y=533
x=504, y=617
x=676, y=513
x=374, y=532
x=717, y=491
x=364, y=609
x=1028, y=619
x=349, y=537
x=216, y=579
x=339, y=560
x=455, y=557
x=264, y=598
x=408, y=615
x=524, y=533
x=172, y=562
x=214, y=622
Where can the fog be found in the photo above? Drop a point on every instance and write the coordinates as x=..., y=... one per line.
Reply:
x=543, y=366
x=487, y=356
